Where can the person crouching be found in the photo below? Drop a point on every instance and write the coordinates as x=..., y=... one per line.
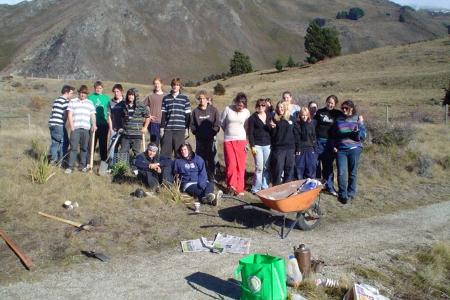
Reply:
x=190, y=169
x=153, y=169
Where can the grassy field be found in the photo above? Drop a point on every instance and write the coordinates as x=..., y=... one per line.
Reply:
x=407, y=78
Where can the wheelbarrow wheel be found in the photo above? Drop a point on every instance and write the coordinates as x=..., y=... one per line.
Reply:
x=310, y=218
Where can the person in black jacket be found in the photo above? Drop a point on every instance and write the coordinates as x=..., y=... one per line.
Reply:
x=305, y=142
x=205, y=125
x=258, y=134
x=153, y=169
x=283, y=145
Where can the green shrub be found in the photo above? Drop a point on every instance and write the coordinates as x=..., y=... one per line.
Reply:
x=321, y=43
x=240, y=64
x=390, y=135
x=120, y=169
x=290, y=63
x=342, y=15
x=355, y=13
x=219, y=89
x=278, y=65
x=41, y=170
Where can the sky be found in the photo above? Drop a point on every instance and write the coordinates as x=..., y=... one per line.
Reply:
x=413, y=3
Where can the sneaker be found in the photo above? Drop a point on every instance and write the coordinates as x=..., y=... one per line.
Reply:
x=241, y=194
x=332, y=192
x=343, y=200
x=68, y=171
x=84, y=170
x=219, y=196
x=210, y=197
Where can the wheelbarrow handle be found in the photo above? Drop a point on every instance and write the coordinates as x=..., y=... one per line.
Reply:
x=235, y=198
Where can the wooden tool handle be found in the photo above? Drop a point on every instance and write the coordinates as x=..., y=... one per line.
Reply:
x=91, y=158
x=76, y=224
x=143, y=142
x=22, y=256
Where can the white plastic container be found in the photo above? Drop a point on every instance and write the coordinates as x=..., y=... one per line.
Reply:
x=293, y=275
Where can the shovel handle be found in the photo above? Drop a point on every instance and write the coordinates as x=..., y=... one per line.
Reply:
x=91, y=158
x=76, y=224
x=22, y=256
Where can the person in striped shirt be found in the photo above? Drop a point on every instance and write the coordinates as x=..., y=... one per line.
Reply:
x=349, y=132
x=175, y=119
x=81, y=119
x=57, y=122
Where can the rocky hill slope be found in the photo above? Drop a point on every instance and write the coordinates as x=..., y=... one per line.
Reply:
x=134, y=40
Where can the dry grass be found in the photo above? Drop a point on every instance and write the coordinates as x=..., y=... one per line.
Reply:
x=420, y=274
x=403, y=77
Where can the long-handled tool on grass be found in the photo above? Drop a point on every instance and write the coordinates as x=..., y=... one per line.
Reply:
x=104, y=165
x=22, y=256
x=81, y=226
x=91, y=158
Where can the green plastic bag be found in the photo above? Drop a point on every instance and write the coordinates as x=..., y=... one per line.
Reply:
x=263, y=277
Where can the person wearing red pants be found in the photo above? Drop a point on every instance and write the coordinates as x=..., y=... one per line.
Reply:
x=234, y=123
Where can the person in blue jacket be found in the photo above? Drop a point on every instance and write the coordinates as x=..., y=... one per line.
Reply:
x=153, y=169
x=190, y=169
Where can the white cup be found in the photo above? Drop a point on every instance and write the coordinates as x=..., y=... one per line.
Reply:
x=197, y=207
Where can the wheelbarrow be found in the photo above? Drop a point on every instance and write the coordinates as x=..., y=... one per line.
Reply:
x=286, y=198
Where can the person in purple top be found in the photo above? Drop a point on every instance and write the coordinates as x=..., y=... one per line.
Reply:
x=348, y=132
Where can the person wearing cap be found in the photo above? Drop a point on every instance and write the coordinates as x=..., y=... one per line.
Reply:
x=191, y=171
x=153, y=169
x=81, y=119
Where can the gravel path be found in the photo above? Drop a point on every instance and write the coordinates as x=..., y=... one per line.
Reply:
x=174, y=275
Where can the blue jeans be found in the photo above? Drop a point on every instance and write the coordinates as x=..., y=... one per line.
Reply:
x=56, y=147
x=262, y=175
x=196, y=191
x=306, y=164
x=347, y=165
x=153, y=130
x=325, y=160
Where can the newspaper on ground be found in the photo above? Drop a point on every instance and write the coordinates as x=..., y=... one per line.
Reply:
x=364, y=292
x=223, y=243
x=198, y=245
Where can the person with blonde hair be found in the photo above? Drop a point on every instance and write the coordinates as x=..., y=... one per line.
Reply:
x=305, y=142
x=205, y=125
x=282, y=144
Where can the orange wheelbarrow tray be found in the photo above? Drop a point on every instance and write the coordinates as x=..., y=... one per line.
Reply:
x=284, y=199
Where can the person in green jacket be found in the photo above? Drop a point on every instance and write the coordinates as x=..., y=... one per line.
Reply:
x=104, y=126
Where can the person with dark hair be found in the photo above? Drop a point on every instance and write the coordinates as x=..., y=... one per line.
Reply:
x=136, y=118
x=234, y=124
x=115, y=111
x=154, y=102
x=104, y=126
x=153, y=170
x=205, y=125
x=191, y=171
x=349, y=132
x=175, y=119
x=57, y=125
x=269, y=107
x=81, y=119
x=259, y=140
x=312, y=107
x=325, y=118
x=305, y=144
x=283, y=144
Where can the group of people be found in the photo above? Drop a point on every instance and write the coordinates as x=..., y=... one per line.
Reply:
x=287, y=141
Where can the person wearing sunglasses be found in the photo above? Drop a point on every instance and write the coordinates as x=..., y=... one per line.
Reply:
x=349, y=132
x=259, y=139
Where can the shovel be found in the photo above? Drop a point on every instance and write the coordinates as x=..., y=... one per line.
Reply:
x=80, y=226
x=104, y=165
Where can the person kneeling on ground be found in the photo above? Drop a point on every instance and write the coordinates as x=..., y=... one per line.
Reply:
x=190, y=169
x=153, y=169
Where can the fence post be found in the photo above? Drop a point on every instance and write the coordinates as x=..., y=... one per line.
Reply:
x=29, y=121
x=446, y=114
x=387, y=114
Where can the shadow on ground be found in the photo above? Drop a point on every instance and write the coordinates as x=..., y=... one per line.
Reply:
x=213, y=287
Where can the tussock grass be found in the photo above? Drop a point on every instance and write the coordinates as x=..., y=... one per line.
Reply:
x=41, y=170
x=420, y=274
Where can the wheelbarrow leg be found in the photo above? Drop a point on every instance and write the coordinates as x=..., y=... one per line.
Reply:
x=297, y=218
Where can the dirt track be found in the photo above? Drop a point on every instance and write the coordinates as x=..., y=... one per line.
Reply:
x=174, y=275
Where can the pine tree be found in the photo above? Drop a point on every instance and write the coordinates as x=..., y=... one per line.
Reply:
x=240, y=64
x=278, y=65
x=290, y=63
x=321, y=43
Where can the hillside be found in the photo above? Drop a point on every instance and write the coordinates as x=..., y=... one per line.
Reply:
x=133, y=40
